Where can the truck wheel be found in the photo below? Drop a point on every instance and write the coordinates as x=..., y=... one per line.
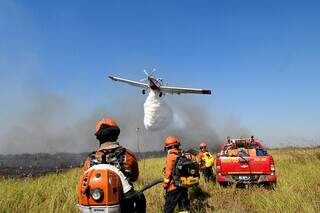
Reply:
x=223, y=184
x=267, y=185
x=270, y=186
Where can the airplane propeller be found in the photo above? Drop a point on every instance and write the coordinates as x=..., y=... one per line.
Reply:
x=153, y=70
x=147, y=73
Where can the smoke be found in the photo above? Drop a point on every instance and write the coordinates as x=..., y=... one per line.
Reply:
x=47, y=122
x=44, y=121
x=157, y=113
x=194, y=124
x=43, y=125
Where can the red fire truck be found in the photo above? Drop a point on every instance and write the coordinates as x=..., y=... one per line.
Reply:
x=244, y=162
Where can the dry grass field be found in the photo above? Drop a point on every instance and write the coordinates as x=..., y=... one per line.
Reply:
x=298, y=189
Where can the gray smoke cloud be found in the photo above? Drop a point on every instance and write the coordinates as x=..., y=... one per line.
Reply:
x=41, y=126
x=46, y=123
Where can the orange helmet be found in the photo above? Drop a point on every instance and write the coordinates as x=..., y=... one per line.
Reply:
x=202, y=145
x=107, y=121
x=171, y=141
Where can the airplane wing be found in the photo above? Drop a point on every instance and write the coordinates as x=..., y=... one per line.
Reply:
x=179, y=90
x=132, y=83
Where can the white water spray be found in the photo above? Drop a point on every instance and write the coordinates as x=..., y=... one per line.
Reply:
x=157, y=113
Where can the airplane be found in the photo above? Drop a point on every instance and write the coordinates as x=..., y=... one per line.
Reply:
x=157, y=84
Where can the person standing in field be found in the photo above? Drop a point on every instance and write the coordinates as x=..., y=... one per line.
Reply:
x=174, y=195
x=206, y=162
x=110, y=152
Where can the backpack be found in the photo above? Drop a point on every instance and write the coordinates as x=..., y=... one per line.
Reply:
x=208, y=159
x=115, y=157
x=185, y=172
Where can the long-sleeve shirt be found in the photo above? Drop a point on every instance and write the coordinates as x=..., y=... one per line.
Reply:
x=168, y=183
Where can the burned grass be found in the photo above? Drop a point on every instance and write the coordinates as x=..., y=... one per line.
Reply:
x=39, y=164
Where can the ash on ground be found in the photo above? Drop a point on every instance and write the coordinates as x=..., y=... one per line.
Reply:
x=34, y=165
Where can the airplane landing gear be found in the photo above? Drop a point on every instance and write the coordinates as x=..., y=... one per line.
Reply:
x=160, y=94
x=143, y=92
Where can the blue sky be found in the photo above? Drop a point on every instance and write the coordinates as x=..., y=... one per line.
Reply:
x=261, y=58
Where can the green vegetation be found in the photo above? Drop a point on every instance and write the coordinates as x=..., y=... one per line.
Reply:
x=298, y=189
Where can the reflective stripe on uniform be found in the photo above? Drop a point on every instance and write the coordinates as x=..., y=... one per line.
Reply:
x=166, y=180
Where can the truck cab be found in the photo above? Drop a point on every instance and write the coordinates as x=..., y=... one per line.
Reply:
x=242, y=162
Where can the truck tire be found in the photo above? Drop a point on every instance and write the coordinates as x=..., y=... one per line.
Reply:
x=223, y=184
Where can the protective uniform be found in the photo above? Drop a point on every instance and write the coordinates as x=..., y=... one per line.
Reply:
x=206, y=168
x=107, y=132
x=174, y=195
x=256, y=143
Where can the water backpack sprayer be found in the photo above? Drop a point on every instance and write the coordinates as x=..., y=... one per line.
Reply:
x=185, y=172
x=208, y=159
x=103, y=188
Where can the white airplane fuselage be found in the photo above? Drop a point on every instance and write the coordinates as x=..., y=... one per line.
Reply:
x=154, y=84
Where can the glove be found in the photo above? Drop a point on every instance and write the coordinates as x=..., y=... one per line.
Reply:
x=165, y=185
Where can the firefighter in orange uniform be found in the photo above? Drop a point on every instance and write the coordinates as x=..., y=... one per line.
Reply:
x=107, y=132
x=206, y=161
x=174, y=195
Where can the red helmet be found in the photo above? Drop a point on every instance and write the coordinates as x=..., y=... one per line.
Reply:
x=171, y=141
x=202, y=145
x=107, y=121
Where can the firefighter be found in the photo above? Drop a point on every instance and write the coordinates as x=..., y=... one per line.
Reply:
x=174, y=195
x=258, y=146
x=228, y=140
x=255, y=143
x=107, y=132
x=226, y=146
x=206, y=162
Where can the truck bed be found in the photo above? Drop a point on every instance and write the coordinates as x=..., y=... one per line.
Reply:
x=245, y=165
x=258, y=169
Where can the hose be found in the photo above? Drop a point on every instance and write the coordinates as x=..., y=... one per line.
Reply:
x=134, y=193
x=151, y=184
